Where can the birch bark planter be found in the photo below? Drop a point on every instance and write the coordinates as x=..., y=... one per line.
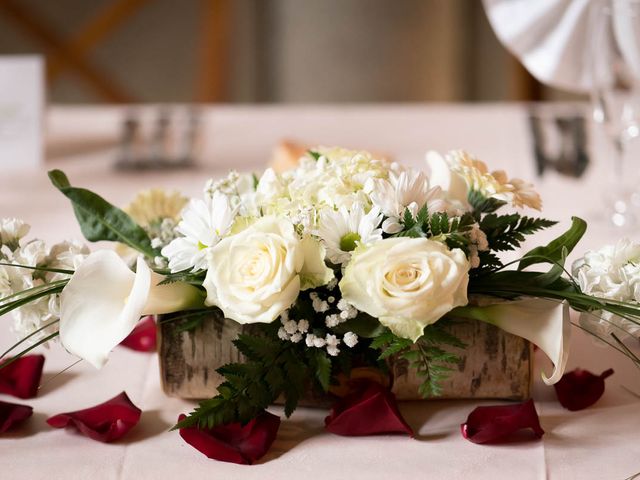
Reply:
x=495, y=364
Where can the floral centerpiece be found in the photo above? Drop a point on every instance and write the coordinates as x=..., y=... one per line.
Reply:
x=343, y=261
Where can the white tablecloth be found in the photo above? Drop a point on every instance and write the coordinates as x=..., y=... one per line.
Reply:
x=597, y=443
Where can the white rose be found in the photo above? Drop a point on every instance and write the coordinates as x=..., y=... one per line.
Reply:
x=406, y=283
x=257, y=274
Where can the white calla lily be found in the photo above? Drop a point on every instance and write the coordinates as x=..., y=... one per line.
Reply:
x=543, y=322
x=104, y=300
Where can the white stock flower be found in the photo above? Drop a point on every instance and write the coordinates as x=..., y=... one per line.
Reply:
x=32, y=254
x=11, y=231
x=41, y=315
x=343, y=230
x=5, y=282
x=407, y=283
x=66, y=256
x=104, y=301
x=203, y=224
x=256, y=274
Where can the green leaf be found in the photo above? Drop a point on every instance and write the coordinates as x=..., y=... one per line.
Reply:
x=257, y=348
x=323, y=368
x=313, y=154
x=482, y=204
x=99, y=220
x=556, y=248
x=363, y=325
x=407, y=219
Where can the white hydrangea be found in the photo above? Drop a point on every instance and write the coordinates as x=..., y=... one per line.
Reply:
x=335, y=180
x=613, y=272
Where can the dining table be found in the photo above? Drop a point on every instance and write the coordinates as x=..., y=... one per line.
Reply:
x=85, y=141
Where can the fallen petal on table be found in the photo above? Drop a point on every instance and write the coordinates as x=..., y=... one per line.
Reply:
x=499, y=423
x=106, y=422
x=580, y=389
x=12, y=415
x=21, y=377
x=370, y=410
x=234, y=443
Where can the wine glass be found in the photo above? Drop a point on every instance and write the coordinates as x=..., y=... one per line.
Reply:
x=613, y=56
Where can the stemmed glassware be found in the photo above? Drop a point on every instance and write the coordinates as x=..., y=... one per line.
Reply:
x=613, y=55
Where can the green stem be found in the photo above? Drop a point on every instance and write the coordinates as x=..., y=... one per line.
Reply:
x=43, y=269
x=27, y=350
x=20, y=342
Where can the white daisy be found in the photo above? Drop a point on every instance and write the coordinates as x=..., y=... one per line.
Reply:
x=203, y=224
x=408, y=189
x=342, y=230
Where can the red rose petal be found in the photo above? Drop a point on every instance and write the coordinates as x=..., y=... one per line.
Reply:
x=370, y=410
x=21, y=377
x=580, y=389
x=143, y=338
x=105, y=422
x=496, y=423
x=234, y=443
x=12, y=414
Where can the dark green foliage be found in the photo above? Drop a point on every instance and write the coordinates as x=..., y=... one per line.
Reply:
x=427, y=355
x=557, y=248
x=272, y=368
x=482, y=204
x=363, y=325
x=506, y=232
x=437, y=225
x=99, y=220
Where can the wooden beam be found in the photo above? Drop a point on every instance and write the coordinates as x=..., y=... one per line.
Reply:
x=522, y=85
x=99, y=27
x=53, y=44
x=211, y=82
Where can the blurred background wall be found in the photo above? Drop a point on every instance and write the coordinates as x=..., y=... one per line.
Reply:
x=266, y=51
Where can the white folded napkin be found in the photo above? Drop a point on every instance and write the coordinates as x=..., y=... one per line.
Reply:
x=552, y=38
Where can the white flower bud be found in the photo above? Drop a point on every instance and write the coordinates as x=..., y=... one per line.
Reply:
x=350, y=339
